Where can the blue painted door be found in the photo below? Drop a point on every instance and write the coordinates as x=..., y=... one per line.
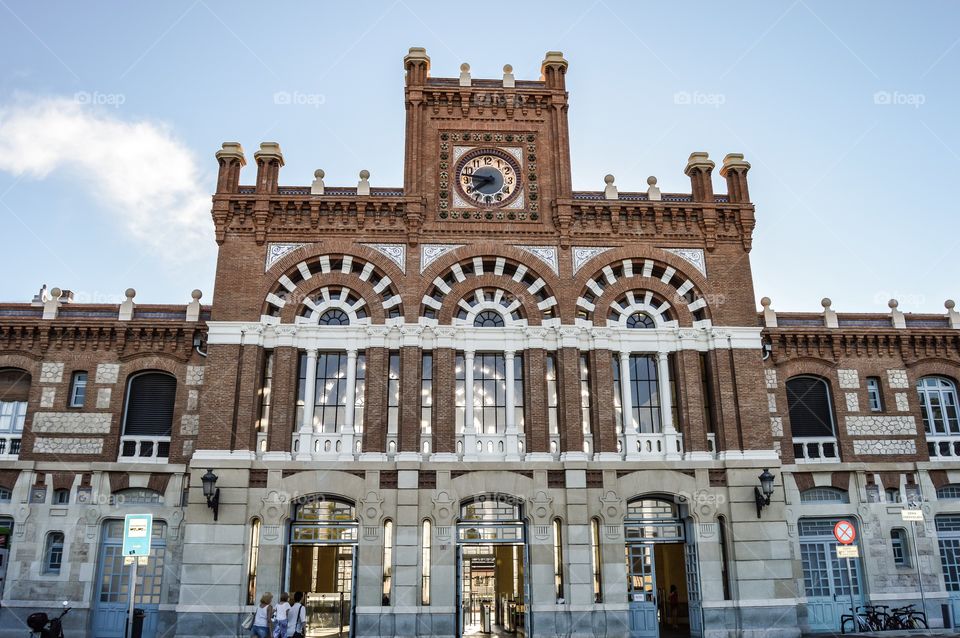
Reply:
x=113, y=583
x=642, y=591
x=692, y=566
x=948, y=536
x=826, y=578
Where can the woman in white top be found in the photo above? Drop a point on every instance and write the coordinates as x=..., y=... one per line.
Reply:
x=296, y=617
x=280, y=623
x=263, y=618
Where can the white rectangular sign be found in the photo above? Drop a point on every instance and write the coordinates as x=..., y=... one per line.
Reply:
x=848, y=551
x=912, y=515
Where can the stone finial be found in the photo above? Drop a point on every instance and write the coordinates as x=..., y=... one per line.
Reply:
x=51, y=303
x=896, y=317
x=653, y=191
x=953, y=317
x=465, y=74
x=193, y=308
x=509, y=81
x=610, y=190
x=769, y=314
x=829, y=316
x=417, y=65
x=316, y=188
x=363, y=186
x=126, y=308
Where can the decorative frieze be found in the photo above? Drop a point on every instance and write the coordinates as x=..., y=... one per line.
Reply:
x=194, y=375
x=108, y=373
x=898, y=379
x=849, y=379
x=48, y=397
x=71, y=422
x=103, y=398
x=886, y=447
x=771, y=378
x=51, y=373
x=190, y=424
x=881, y=425
x=63, y=446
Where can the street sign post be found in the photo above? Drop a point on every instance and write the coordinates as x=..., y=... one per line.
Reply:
x=848, y=551
x=137, y=532
x=846, y=533
x=913, y=514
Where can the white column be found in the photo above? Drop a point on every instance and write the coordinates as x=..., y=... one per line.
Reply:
x=469, y=429
x=309, y=405
x=668, y=428
x=626, y=402
x=346, y=435
x=513, y=439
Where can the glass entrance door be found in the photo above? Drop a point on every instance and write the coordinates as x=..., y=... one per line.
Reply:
x=642, y=591
x=826, y=579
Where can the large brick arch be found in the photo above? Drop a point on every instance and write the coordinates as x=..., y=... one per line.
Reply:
x=642, y=269
x=314, y=287
x=527, y=304
x=933, y=366
x=504, y=267
x=660, y=294
x=364, y=271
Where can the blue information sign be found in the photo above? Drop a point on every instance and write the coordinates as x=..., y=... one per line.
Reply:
x=137, y=531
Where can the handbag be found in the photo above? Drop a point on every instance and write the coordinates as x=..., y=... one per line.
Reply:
x=248, y=621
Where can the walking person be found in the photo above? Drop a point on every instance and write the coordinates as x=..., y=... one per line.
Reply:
x=280, y=616
x=263, y=618
x=673, y=604
x=296, y=617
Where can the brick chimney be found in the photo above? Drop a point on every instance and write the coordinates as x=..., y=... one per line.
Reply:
x=417, y=65
x=735, y=169
x=553, y=70
x=269, y=160
x=231, y=160
x=699, y=169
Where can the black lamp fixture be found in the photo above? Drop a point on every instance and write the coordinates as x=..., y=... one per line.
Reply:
x=763, y=492
x=211, y=491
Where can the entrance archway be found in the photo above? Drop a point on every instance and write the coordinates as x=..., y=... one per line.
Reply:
x=663, y=577
x=492, y=583
x=322, y=561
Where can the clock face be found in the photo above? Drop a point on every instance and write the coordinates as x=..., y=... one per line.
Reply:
x=488, y=177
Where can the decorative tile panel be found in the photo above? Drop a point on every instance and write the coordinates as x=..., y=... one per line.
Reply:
x=429, y=253
x=276, y=252
x=898, y=379
x=397, y=253
x=546, y=254
x=583, y=254
x=849, y=379
x=108, y=372
x=693, y=255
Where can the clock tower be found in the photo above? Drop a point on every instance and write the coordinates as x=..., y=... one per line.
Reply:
x=484, y=152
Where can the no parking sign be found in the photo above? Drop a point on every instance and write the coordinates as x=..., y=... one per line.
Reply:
x=844, y=532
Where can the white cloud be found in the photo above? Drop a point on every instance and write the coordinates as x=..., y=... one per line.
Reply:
x=145, y=179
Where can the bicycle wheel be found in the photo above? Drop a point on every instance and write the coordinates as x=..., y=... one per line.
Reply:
x=918, y=623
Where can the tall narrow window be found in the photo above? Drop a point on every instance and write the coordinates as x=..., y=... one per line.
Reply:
x=252, y=561
x=148, y=419
x=874, y=396
x=597, y=561
x=53, y=553
x=706, y=392
x=460, y=399
x=645, y=393
x=617, y=395
x=811, y=418
x=585, y=419
x=898, y=541
x=360, y=392
x=266, y=385
x=426, y=394
x=61, y=496
x=393, y=393
x=387, y=562
x=78, y=389
x=557, y=561
x=552, y=402
x=518, y=391
x=724, y=560
x=425, y=542
x=489, y=393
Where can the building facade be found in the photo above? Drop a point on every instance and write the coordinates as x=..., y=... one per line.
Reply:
x=483, y=397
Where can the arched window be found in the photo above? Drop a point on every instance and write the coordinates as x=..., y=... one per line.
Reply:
x=387, y=562
x=898, y=542
x=334, y=317
x=938, y=404
x=949, y=492
x=558, y=561
x=148, y=418
x=488, y=319
x=425, y=545
x=824, y=495
x=811, y=417
x=14, y=394
x=53, y=553
x=640, y=320
x=252, y=561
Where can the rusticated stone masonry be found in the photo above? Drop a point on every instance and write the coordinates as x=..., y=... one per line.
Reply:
x=881, y=425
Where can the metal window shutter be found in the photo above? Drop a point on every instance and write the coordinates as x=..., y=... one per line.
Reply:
x=150, y=405
x=809, y=407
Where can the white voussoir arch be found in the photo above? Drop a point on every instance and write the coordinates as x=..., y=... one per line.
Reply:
x=497, y=300
x=634, y=301
x=326, y=299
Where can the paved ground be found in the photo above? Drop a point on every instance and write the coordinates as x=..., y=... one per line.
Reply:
x=932, y=633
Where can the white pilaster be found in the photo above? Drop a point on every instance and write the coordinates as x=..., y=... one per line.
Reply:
x=309, y=405
x=626, y=401
x=669, y=430
x=469, y=427
x=346, y=436
x=513, y=445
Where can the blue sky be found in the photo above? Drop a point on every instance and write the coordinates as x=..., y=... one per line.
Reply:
x=110, y=113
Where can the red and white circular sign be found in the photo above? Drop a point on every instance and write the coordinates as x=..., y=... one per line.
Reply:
x=845, y=532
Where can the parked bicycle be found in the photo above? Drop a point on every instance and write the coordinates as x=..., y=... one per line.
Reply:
x=907, y=618
x=46, y=627
x=878, y=618
x=857, y=621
